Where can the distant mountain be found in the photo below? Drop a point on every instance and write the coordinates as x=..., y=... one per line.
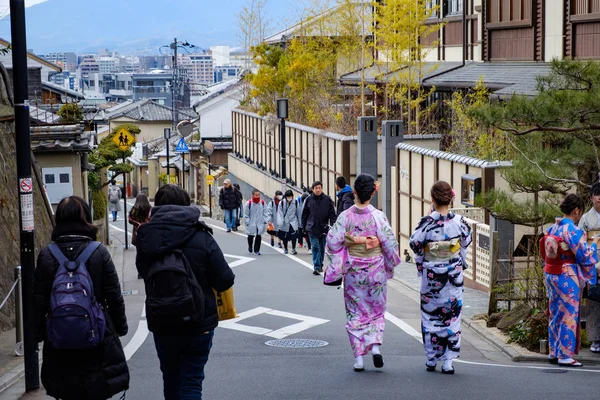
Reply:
x=137, y=26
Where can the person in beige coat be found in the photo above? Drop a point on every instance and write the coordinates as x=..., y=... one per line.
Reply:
x=591, y=222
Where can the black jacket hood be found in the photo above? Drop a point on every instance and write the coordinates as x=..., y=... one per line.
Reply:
x=169, y=228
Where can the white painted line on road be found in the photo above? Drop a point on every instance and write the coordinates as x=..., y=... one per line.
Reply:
x=240, y=260
x=307, y=323
x=268, y=245
x=404, y=326
x=527, y=366
x=137, y=340
x=119, y=229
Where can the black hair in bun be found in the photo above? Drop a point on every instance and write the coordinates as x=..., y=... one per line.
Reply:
x=570, y=203
x=364, y=185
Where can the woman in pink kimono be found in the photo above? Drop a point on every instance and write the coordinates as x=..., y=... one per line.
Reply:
x=363, y=252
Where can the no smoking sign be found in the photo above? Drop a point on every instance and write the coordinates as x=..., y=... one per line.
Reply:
x=26, y=185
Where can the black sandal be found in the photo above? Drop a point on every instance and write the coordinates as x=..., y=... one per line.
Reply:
x=378, y=360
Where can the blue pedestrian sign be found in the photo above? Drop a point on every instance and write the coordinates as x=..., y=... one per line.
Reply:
x=182, y=146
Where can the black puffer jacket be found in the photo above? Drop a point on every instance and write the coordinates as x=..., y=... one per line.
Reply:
x=318, y=213
x=229, y=199
x=178, y=227
x=97, y=373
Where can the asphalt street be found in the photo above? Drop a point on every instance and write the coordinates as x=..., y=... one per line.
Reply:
x=277, y=297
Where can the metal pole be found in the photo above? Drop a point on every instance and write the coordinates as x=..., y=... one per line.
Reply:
x=125, y=217
x=167, y=137
x=25, y=188
x=175, y=85
x=283, y=172
x=209, y=193
x=19, y=312
x=183, y=171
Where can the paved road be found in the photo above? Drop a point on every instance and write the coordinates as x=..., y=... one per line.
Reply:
x=279, y=298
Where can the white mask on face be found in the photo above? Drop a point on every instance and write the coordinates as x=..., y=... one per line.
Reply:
x=289, y=199
x=279, y=197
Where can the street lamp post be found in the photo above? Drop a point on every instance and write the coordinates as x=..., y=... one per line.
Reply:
x=282, y=113
x=167, y=137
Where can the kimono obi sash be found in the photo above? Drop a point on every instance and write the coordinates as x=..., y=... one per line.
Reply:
x=555, y=253
x=442, y=250
x=363, y=247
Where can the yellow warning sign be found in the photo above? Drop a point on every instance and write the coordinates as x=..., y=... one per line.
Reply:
x=124, y=139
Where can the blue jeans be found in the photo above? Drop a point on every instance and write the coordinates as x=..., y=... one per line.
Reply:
x=318, y=250
x=182, y=360
x=230, y=218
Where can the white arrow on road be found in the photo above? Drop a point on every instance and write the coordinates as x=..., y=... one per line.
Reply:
x=241, y=260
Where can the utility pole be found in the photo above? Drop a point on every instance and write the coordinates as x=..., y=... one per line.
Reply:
x=25, y=188
x=175, y=84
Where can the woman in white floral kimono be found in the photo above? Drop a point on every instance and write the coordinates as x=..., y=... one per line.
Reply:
x=363, y=252
x=440, y=244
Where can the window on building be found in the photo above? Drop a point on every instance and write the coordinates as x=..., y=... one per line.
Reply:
x=454, y=7
x=431, y=4
x=64, y=178
x=49, y=179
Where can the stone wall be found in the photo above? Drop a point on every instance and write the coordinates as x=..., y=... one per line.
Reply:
x=9, y=207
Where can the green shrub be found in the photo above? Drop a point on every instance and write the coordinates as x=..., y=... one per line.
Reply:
x=100, y=204
x=530, y=331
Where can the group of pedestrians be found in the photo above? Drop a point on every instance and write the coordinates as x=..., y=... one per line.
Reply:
x=291, y=220
x=80, y=312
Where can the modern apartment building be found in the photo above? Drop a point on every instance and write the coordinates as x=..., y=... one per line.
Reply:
x=67, y=61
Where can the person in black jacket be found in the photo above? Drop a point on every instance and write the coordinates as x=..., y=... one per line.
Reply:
x=174, y=225
x=240, y=199
x=317, y=215
x=345, y=195
x=99, y=372
x=229, y=201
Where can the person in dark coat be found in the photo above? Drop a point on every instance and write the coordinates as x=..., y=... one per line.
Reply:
x=240, y=198
x=345, y=195
x=318, y=214
x=229, y=202
x=100, y=372
x=174, y=224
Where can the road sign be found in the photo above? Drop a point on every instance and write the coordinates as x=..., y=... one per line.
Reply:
x=182, y=146
x=210, y=180
x=124, y=139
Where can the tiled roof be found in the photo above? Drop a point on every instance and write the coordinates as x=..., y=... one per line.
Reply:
x=474, y=162
x=59, y=138
x=504, y=79
x=42, y=116
x=148, y=110
x=63, y=91
x=386, y=72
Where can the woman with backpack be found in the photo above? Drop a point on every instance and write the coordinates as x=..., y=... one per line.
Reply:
x=255, y=218
x=287, y=220
x=139, y=214
x=114, y=197
x=83, y=355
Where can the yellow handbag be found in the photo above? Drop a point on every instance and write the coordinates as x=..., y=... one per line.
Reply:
x=225, y=304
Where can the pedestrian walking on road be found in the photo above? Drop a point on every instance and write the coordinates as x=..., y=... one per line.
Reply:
x=139, y=214
x=590, y=222
x=318, y=214
x=288, y=221
x=363, y=251
x=75, y=366
x=240, y=210
x=273, y=224
x=255, y=219
x=114, y=197
x=345, y=195
x=229, y=201
x=302, y=235
x=181, y=264
x=569, y=262
x=440, y=244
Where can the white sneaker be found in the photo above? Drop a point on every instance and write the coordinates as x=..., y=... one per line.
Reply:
x=358, y=367
x=447, y=367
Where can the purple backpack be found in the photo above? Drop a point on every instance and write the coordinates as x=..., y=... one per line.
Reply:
x=75, y=319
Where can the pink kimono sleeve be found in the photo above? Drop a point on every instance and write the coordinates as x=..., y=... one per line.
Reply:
x=389, y=245
x=336, y=252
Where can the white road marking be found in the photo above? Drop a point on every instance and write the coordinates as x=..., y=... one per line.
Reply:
x=404, y=326
x=306, y=322
x=138, y=339
x=240, y=260
x=119, y=229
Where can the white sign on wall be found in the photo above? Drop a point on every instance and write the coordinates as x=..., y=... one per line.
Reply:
x=59, y=183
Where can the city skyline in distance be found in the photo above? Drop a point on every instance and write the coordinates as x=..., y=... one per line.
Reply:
x=139, y=27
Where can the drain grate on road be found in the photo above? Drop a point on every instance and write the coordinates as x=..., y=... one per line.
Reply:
x=296, y=343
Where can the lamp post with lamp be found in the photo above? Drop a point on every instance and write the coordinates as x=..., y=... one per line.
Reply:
x=282, y=114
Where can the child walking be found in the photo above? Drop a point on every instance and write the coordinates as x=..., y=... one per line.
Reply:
x=287, y=217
